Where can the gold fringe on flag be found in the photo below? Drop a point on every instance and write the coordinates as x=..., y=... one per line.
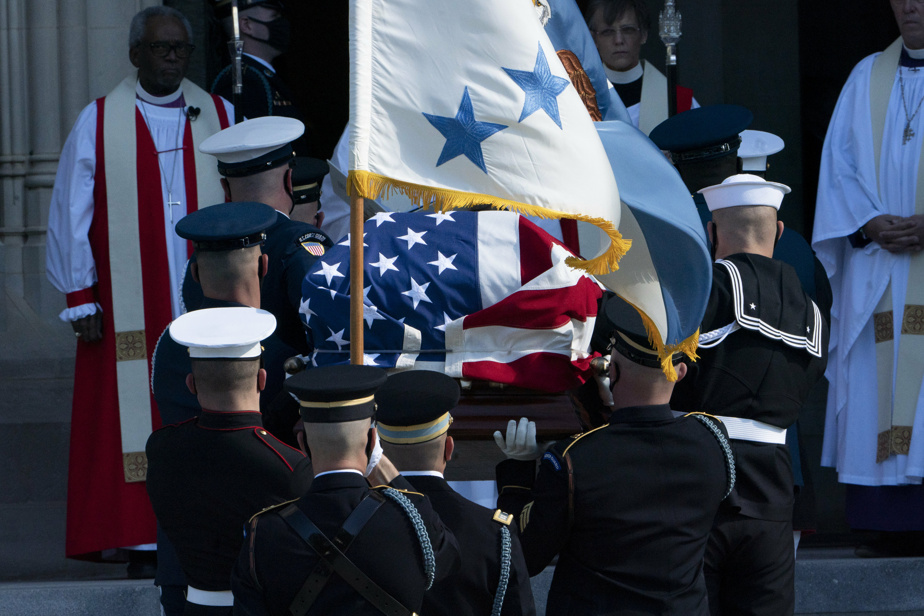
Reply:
x=666, y=352
x=372, y=186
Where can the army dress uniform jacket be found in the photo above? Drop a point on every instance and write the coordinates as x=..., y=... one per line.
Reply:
x=473, y=589
x=263, y=93
x=275, y=561
x=762, y=371
x=631, y=531
x=206, y=478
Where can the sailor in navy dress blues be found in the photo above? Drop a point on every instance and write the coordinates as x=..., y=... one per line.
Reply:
x=413, y=420
x=255, y=162
x=343, y=547
x=208, y=475
x=763, y=346
x=627, y=507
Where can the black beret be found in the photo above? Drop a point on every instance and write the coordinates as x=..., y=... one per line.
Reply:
x=702, y=133
x=307, y=176
x=414, y=406
x=227, y=226
x=334, y=394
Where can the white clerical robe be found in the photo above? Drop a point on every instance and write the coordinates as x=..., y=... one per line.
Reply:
x=849, y=195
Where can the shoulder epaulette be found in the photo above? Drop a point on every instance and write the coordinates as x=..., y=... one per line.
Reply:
x=502, y=517
x=271, y=507
x=580, y=436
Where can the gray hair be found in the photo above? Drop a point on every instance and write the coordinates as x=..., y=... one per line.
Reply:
x=140, y=23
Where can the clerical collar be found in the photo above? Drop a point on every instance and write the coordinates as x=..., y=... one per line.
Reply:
x=171, y=100
x=633, y=74
x=911, y=58
x=262, y=61
x=422, y=474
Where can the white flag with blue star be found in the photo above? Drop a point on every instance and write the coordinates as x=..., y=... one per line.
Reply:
x=466, y=103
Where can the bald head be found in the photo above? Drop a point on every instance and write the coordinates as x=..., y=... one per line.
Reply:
x=338, y=445
x=751, y=229
x=271, y=187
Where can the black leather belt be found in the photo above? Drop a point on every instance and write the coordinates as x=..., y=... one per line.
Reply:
x=333, y=559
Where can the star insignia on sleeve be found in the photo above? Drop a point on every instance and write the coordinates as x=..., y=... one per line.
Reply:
x=413, y=237
x=384, y=264
x=463, y=133
x=329, y=271
x=441, y=216
x=417, y=293
x=443, y=262
x=542, y=88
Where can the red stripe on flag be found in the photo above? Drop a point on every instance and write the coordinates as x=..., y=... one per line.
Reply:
x=540, y=308
x=543, y=371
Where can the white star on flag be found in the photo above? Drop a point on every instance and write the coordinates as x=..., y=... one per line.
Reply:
x=413, y=237
x=306, y=310
x=441, y=216
x=446, y=321
x=443, y=262
x=329, y=271
x=418, y=293
x=370, y=314
x=381, y=217
x=337, y=338
x=346, y=241
x=369, y=359
x=384, y=264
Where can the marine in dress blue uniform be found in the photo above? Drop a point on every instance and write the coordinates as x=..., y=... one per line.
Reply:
x=626, y=507
x=763, y=346
x=413, y=420
x=208, y=475
x=344, y=547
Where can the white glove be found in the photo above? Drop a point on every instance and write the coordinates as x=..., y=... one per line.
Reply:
x=375, y=457
x=521, y=440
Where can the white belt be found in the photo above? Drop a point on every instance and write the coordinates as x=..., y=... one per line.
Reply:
x=741, y=429
x=220, y=598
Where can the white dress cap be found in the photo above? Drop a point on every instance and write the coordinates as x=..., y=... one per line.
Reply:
x=756, y=146
x=252, y=139
x=742, y=190
x=223, y=333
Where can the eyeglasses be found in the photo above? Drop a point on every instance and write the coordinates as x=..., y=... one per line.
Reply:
x=625, y=31
x=162, y=48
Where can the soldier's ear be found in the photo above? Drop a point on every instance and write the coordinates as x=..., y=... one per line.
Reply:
x=191, y=384
x=264, y=265
x=681, y=370
x=261, y=379
x=226, y=188
x=194, y=271
x=448, y=449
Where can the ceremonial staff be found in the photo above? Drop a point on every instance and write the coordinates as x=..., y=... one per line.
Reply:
x=669, y=31
x=236, y=49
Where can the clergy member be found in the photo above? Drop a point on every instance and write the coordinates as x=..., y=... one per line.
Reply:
x=130, y=169
x=869, y=227
x=619, y=29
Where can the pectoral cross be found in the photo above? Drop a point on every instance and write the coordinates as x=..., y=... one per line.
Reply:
x=908, y=134
x=171, y=203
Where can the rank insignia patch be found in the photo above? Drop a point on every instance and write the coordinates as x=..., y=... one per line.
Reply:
x=314, y=248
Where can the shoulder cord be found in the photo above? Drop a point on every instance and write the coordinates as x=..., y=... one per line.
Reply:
x=266, y=86
x=504, y=572
x=420, y=529
x=726, y=449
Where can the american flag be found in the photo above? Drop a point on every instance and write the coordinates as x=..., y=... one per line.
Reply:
x=483, y=295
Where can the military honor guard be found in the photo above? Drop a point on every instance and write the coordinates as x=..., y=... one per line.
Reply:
x=343, y=547
x=627, y=507
x=208, y=475
x=413, y=420
x=763, y=346
x=307, y=176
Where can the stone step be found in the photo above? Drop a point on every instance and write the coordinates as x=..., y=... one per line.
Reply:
x=829, y=582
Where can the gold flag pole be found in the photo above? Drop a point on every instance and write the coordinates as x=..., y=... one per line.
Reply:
x=356, y=280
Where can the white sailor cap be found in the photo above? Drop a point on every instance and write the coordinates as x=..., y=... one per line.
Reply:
x=742, y=190
x=223, y=333
x=756, y=146
x=253, y=145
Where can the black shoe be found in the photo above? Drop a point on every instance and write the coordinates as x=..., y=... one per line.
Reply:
x=893, y=545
